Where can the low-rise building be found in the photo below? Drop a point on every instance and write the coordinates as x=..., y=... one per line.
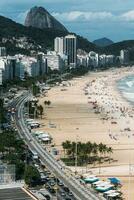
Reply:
x=54, y=60
x=93, y=60
x=2, y=51
x=124, y=56
x=14, y=68
x=1, y=76
x=82, y=60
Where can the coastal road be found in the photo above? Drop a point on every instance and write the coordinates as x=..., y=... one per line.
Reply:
x=80, y=192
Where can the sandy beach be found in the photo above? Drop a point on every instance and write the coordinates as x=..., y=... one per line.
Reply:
x=92, y=109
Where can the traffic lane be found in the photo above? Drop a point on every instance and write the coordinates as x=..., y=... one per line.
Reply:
x=60, y=190
x=55, y=171
x=52, y=182
x=42, y=157
x=71, y=184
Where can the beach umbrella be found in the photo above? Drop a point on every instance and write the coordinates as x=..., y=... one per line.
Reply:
x=91, y=179
x=104, y=188
x=114, y=180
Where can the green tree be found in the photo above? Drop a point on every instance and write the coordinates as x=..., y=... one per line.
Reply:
x=49, y=103
x=31, y=175
x=40, y=109
x=109, y=151
x=35, y=89
x=66, y=146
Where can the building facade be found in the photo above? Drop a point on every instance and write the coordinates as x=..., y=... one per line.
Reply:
x=124, y=56
x=68, y=47
x=2, y=51
x=59, y=45
x=54, y=60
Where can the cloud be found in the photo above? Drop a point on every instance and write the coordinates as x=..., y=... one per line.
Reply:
x=83, y=16
x=128, y=16
x=80, y=16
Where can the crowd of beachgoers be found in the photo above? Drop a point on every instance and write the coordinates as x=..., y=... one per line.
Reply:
x=102, y=95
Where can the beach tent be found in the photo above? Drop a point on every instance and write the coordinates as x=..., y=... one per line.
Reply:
x=104, y=188
x=44, y=135
x=97, y=183
x=111, y=192
x=45, y=139
x=112, y=196
x=103, y=183
x=91, y=179
x=114, y=180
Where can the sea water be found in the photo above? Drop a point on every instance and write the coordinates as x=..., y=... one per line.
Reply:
x=126, y=87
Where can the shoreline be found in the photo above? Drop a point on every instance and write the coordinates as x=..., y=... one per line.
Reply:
x=121, y=93
x=115, y=88
x=73, y=115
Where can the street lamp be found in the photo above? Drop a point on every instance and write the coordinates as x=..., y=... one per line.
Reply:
x=76, y=154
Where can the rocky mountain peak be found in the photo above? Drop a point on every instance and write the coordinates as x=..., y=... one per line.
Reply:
x=39, y=17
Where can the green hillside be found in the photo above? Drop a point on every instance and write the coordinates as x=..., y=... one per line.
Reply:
x=44, y=38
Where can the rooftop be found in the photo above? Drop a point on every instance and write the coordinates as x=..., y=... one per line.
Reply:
x=14, y=194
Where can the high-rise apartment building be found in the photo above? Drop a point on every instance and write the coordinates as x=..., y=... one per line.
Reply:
x=124, y=56
x=70, y=49
x=59, y=45
x=2, y=51
x=67, y=46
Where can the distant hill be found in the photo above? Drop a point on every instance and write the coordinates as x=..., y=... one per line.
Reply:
x=18, y=38
x=21, y=39
x=39, y=17
x=103, y=42
x=116, y=47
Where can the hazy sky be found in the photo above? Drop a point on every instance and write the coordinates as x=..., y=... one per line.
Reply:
x=92, y=19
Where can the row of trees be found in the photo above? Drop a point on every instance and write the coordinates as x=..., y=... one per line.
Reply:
x=32, y=176
x=35, y=89
x=2, y=112
x=86, y=152
x=48, y=103
x=13, y=151
x=34, y=109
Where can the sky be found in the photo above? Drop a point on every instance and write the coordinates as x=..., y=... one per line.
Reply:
x=92, y=19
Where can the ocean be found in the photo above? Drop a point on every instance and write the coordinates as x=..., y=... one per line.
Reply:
x=126, y=87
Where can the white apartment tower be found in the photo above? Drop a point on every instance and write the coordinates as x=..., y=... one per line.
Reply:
x=67, y=45
x=70, y=49
x=2, y=51
x=59, y=45
x=124, y=56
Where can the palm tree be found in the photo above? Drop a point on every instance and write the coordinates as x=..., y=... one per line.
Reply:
x=73, y=149
x=85, y=150
x=109, y=151
x=101, y=148
x=66, y=146
x=95, y=151
x=40, y=108
x=45, y=102
x=49, y=103
x=105, y=149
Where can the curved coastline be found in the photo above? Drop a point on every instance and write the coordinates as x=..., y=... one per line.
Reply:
x=121, y=91
x=73, y=115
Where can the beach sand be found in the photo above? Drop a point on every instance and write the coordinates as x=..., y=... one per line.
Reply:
x=72, y=113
